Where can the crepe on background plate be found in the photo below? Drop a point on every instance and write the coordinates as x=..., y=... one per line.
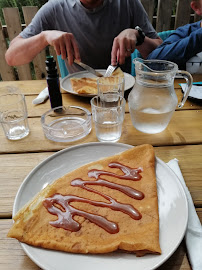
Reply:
x=100, y=207
x=89, y=85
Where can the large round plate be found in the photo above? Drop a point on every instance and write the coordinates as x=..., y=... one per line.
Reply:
x=66, y=84
x=173, y=211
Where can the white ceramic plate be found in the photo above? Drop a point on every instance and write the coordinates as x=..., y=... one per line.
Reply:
x=66, y=84
x=173, y=211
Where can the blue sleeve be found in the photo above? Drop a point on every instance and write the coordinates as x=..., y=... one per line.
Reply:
x=180, y=46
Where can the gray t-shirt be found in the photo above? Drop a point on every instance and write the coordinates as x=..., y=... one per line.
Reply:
x=94, y=30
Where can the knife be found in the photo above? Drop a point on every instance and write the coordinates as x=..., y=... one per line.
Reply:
x=88, y=68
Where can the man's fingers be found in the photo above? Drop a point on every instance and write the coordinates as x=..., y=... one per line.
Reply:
x=72, y=49
x=128, y=46
x=69, y=49
x=66, y=46
x=57, y=48
x=76, y=50
x=63, y=51
x=114, y=53
x=125, y=42
x=122, y=53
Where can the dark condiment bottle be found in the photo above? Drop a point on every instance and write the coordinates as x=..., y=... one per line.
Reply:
x=53, y=82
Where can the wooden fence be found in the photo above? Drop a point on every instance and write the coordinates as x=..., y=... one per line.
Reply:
x=164, y=19
x=13, y=27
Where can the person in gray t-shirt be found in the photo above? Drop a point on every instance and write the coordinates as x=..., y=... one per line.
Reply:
x=97, y=32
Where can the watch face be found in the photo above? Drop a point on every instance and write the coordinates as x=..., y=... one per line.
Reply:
x=141, y=36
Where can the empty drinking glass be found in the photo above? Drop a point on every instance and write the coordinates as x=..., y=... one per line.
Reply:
x=113, y=85
x=13, y=115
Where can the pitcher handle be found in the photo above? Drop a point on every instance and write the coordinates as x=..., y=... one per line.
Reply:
x=189, y=80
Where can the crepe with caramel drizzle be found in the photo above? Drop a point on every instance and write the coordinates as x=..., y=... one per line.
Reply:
x=100, y=207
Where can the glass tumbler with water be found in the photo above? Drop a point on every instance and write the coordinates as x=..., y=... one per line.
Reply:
x=108, y=118
x=152, y=100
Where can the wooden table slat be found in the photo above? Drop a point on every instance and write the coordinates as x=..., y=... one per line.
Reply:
x=184, y=128
x=71, y=100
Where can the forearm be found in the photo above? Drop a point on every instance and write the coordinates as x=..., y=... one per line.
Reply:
x=22, y=51
x=179, y=50
x=148, y=46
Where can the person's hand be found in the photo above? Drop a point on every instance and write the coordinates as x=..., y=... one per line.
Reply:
x=123, y=46
x=64, y=44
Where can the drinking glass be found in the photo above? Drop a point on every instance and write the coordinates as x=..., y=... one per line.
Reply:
x=108, y=118
x=110, y=85
x=13, y=115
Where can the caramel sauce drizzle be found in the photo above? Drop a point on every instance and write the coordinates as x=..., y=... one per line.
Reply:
x=129, y=173
x=66, y=212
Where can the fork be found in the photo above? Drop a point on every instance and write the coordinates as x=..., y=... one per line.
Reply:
x=110, y=70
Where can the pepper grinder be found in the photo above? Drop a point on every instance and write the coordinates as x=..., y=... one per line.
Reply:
x=53, y=82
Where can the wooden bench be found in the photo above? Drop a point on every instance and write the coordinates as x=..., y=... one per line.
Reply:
x=167, y=15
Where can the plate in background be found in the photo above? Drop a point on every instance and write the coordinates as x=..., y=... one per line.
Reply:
x=66, y=84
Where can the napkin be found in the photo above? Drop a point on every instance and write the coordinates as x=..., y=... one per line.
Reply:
x=196, y=89
x=41, y=97
x=193, y=235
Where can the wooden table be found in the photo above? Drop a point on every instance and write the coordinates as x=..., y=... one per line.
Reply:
x=182, y=140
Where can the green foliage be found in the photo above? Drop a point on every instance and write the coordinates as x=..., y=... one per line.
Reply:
x=19, y=4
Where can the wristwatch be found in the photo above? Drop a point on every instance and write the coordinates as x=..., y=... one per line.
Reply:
x=140, y=37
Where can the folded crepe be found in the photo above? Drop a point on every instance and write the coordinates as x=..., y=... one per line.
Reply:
x=118, y=72
x=103, y=206
x=89, y=85
x=84, y=85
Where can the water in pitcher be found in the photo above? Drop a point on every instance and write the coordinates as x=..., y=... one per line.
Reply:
x=152, y=100
x=152, y=108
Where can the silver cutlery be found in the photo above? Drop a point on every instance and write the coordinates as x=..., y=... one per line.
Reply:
x=110, y=70
x=88, y=68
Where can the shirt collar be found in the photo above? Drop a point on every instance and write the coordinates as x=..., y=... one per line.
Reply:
x=94, y=9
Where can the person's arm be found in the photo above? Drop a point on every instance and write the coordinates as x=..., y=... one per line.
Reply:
x=125, y=43
x=180, y=46
x=148, y=46
x=23, y=50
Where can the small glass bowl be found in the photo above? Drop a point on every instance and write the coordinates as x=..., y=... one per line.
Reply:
x=66, y=124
